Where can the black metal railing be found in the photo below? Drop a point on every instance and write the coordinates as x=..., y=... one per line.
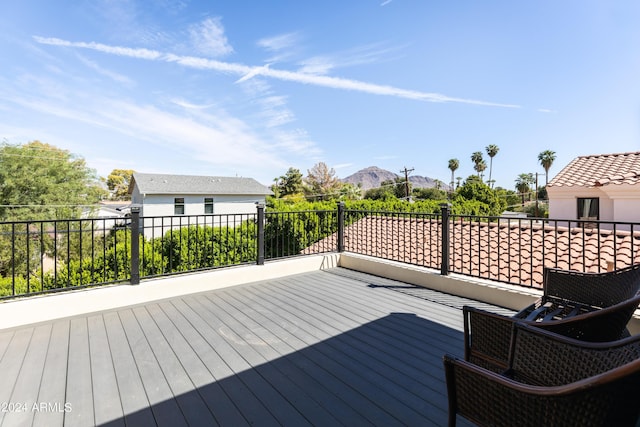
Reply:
x=48, y=256
x=509, y=250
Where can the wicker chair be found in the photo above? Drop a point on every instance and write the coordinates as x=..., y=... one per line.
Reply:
x=551, y=380
x=487, y=336
x=587, y=306
x=567, y=293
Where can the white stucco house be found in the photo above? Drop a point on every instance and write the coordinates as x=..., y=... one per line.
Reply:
x=603, y=187
x=167, y=195
x=193, y=199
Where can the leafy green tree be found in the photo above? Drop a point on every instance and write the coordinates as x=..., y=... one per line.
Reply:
x=429, y=194
x=40, y=181
x=546, y=159
x=118, y=183
x=511, y=197
x=380, y=193
x=350, y=191
x=396, y=187
x=289, y=184
x=487, y=200
x=492, y=150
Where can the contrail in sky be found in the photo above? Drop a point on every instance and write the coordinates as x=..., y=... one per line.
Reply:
x=245, y=72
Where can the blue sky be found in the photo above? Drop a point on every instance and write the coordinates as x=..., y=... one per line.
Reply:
x=251, y=88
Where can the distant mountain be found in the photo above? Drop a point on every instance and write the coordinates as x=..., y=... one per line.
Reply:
x=373, y=176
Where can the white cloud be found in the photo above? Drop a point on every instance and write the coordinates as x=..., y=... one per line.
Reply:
x=208, y=38
x=317, y=65
x=275, y=112
x=546, y=110
x=385, y=2
x=296, y=141
x=103, y=71
x=205, y=133
x=304, y=78
x=281, y=47
x=366, y=54
x=190, y=106
x=279, y=42
x=114, y=50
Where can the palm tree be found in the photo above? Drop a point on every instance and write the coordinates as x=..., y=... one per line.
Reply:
x=476, y=158
x=481, y=166
x=523, y=184
x=546, y=159
x=492, y=150
x=454, y=164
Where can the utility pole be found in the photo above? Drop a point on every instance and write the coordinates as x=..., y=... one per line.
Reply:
x=406, y=181
x=537, y=212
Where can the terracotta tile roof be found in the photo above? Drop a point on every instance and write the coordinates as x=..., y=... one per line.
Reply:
x=510, y=251
x=600, y=170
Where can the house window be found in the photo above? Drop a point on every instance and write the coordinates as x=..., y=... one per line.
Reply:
x=208, y=205
x=178, y=206
x=588, y=208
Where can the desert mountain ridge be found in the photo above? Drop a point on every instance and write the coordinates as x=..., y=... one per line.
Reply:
x=373, y=176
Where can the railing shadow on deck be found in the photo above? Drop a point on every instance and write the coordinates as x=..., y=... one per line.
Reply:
x=385, y=372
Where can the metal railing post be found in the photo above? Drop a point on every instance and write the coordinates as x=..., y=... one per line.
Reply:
x=260, y=259
x=135, y=245
x=444, y=265
x=340, y=227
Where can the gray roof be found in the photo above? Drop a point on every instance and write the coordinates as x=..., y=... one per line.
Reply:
x=150, y=183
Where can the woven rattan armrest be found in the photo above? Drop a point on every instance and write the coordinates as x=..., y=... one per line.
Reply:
x=488, y=398
x=487, y=336
x=540, y=357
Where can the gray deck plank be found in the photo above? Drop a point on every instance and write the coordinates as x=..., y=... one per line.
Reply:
x=191, y=404
x=29, y=378
x=10, y=367
x=54, y=376
x=79, y=388
x=240, y=389
x=372, y=377
x=107, y=405
x=334, y=347
x=165, y=409
x=259, y=352
x=334, y=394
x=5, y=339
x=245, y=358
x=125, y=347
x=345, y=366
x=214, y=369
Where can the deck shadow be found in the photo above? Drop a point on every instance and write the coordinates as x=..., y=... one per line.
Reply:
x=385, y=372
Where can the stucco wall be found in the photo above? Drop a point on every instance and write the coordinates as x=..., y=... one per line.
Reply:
x=619, y=203
x=162, y=205
x=563, y=202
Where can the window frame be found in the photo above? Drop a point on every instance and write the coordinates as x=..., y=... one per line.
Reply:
x=178, y=206
x=580, y=208
x=208, y=203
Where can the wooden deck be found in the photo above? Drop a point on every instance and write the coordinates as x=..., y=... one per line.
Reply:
x=332, y=347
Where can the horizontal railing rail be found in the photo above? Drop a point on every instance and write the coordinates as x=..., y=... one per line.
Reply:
x=49, y=256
